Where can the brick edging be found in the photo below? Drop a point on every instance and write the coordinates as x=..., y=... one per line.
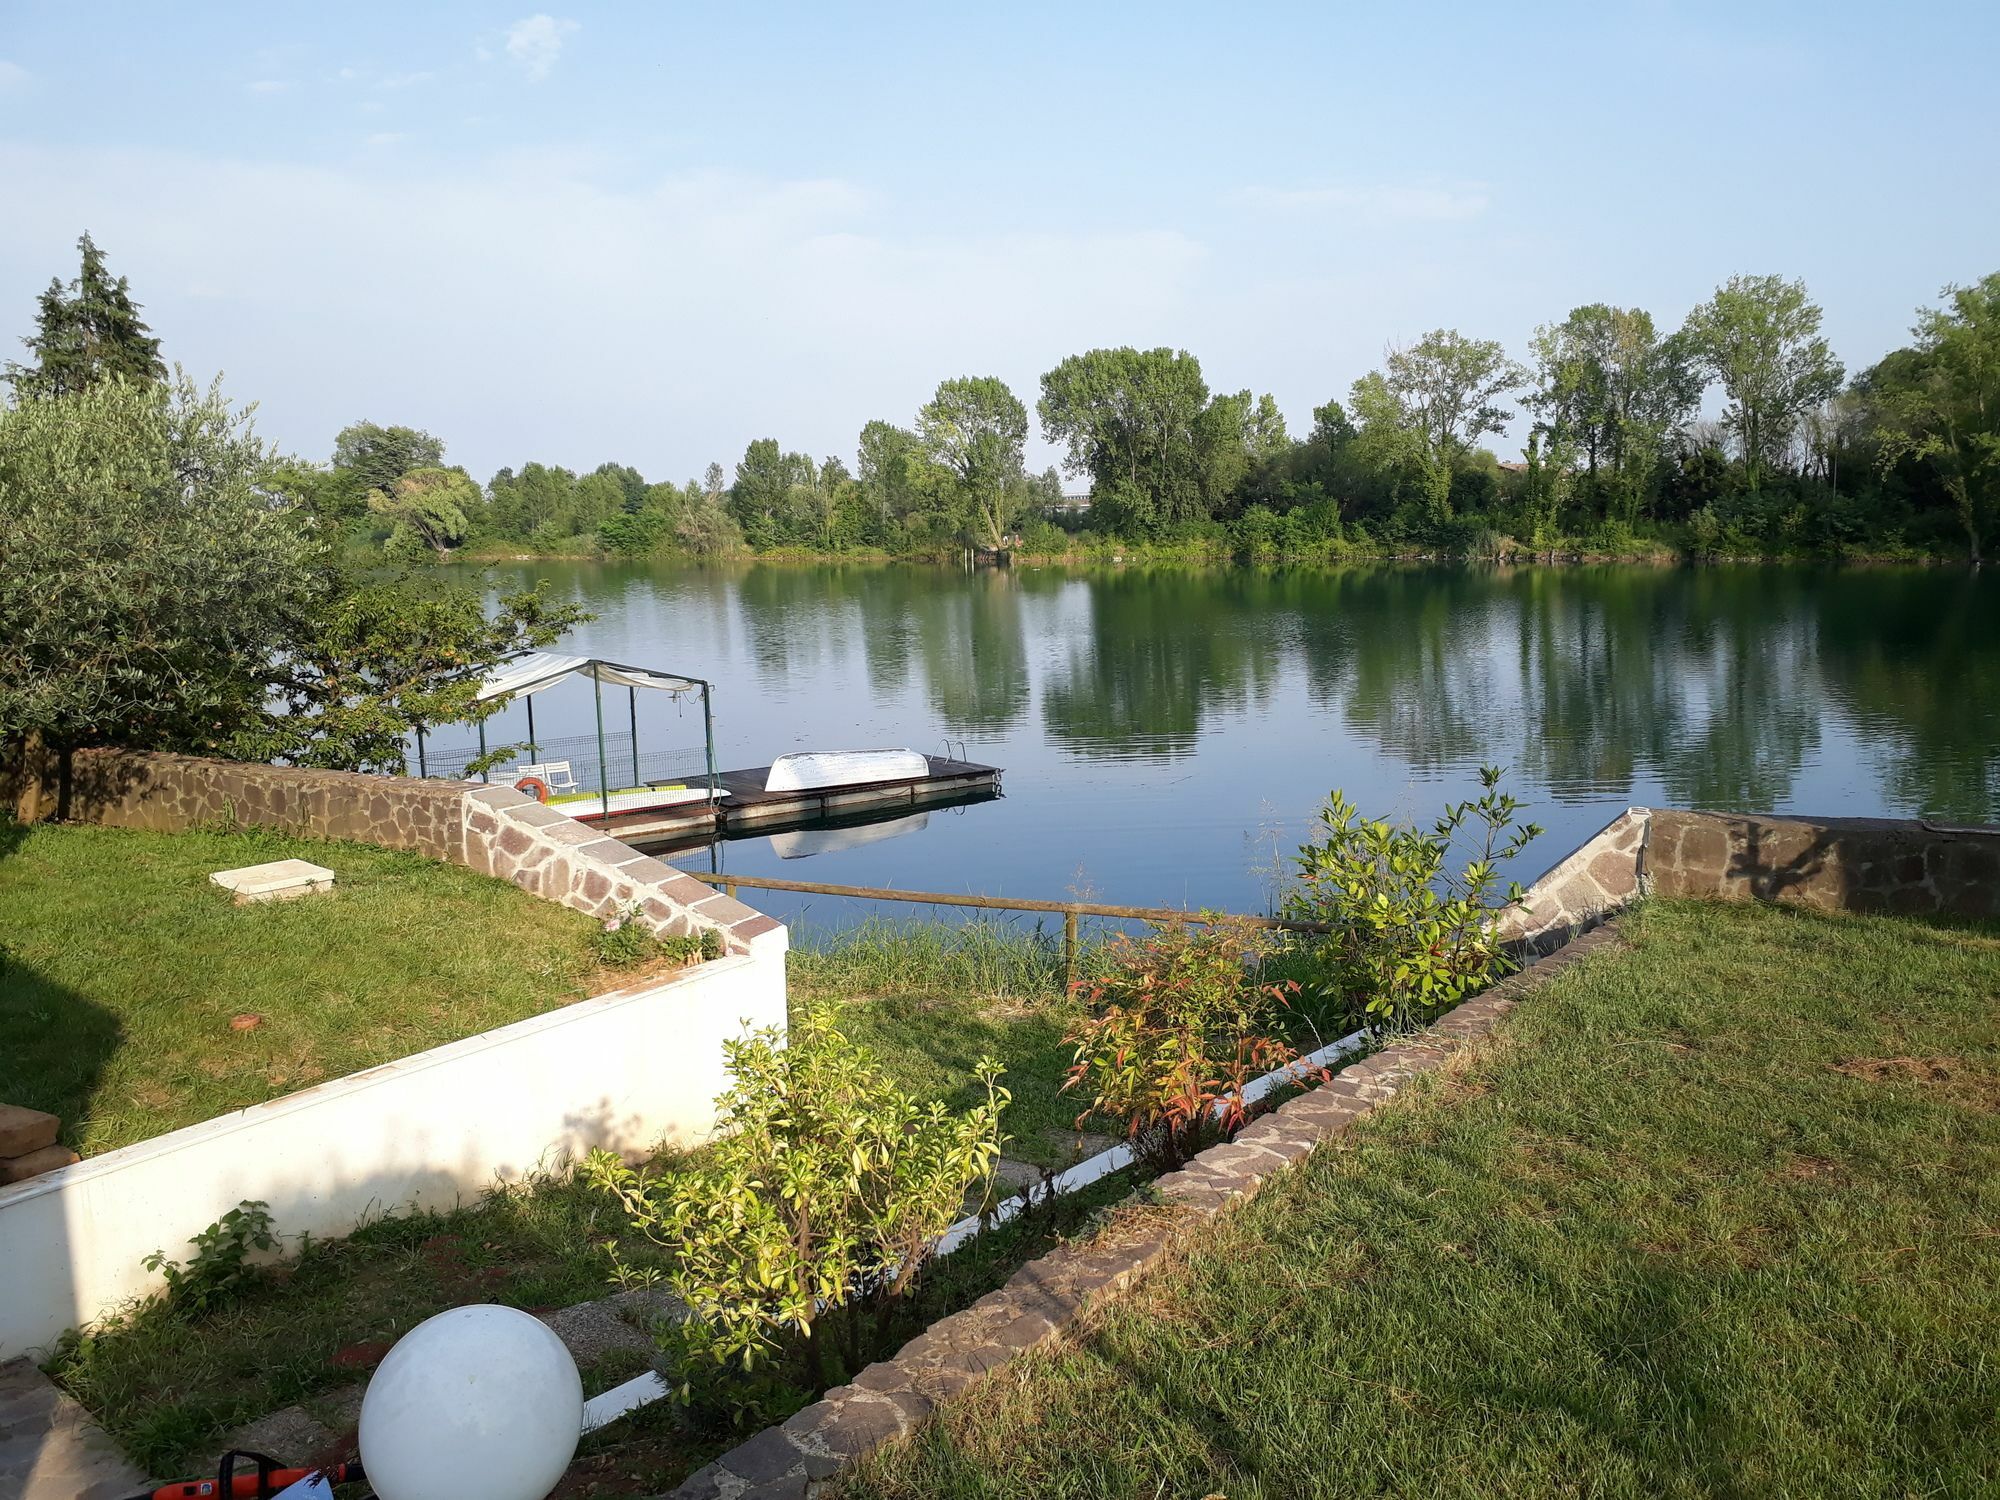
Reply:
x=1052, y=1294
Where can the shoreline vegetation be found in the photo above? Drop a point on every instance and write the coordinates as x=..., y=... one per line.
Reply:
x=1621, y=462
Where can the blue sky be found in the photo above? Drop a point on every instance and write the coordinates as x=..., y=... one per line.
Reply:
x=650, y=233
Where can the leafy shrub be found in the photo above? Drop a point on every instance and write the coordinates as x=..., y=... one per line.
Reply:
x=1409, y=936
x=816, y=1206
x=624, y=941
x=220, y=1266
x=1176, y=1028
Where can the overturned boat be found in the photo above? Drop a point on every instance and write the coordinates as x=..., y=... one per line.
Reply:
x=817, y=770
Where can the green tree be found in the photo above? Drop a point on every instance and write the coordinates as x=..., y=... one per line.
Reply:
x=150, y=576
x=1759, y=336
x=1611, y=390
x=1140, y=424
x=975, y=429
x=86, y=332
x=894, y=472
x=370, y=661
x=368, y=457
x=1430, y=404
x=1940, y=403
x=426, y=511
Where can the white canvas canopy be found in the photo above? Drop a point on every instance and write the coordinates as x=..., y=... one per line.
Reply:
x=537, y=670
x=533, y=672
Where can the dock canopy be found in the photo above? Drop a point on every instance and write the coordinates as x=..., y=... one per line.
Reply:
x=536, y=670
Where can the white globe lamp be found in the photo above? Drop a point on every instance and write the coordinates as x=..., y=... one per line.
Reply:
x=478, y=1403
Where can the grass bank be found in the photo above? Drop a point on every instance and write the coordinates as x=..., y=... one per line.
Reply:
x=1716, y=1215
x=929, y=999
x=122, y=967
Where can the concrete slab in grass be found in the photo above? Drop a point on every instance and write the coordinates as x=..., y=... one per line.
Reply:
x=280, y=880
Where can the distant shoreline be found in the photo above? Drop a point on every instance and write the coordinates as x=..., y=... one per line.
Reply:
x=1152, y=555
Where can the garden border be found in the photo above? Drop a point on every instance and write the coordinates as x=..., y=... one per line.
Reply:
x=1866, y=864
x=1055, y=1293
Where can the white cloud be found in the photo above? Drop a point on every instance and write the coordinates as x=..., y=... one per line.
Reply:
x=663, y=322
x=12, y=76
x=386, y=137
x=268, y=86
x=1384, y=204
x=536, y=42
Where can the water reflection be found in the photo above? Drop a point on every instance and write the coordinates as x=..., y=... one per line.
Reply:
x=1146, y=719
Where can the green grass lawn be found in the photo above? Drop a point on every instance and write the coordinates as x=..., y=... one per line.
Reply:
x=170, y=1388
x=1717, y=1215
x=931, y=998
x=123, y=967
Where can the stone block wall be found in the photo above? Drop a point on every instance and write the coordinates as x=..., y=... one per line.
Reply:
x=512, y=837
x=1897, y=865
x=494, y=830
x=1583, y=888
x=172, y=793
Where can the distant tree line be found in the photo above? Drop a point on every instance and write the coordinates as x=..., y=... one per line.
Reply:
x=1902, y=459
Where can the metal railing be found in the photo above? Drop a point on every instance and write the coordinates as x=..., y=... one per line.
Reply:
x=1070, y=910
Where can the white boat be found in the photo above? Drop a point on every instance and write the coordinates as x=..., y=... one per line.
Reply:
x=816, y=770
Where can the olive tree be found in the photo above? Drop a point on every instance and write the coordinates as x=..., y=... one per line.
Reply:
x=150, y=571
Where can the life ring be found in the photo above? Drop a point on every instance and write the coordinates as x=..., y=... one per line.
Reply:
x=534, y=786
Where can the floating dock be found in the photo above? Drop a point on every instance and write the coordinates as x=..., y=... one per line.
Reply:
x=742, y=805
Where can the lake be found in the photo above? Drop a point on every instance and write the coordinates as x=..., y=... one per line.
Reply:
x=1166, y=735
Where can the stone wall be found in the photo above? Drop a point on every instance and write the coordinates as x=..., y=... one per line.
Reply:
x=494, y=830
x=1907, y=866
x=512, y=837
x=1583, y=888
x=172, y=793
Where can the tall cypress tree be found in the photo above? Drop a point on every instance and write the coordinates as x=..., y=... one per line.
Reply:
x=86, y=332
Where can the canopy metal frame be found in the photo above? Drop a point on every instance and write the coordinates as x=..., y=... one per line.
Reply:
x=527, y=673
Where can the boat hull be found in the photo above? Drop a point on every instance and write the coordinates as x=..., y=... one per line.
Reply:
x=821, y=770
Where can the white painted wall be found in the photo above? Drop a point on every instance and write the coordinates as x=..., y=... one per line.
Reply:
x=626, y=1070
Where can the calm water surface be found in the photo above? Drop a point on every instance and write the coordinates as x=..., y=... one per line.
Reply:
x=1163, y=733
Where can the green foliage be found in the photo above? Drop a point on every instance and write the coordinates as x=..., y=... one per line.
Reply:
x=376, y=660
x=220, y=1267
x=1140, y=424
x=1759, y=336
x=86, y=333
x=1611, y=391
x=974, y=428
x=1175, y=1029
x=817, y=1203
x=1410, y=935
x=624, y=941
x=151, y=578
x=1939, y=404
x=426, y=511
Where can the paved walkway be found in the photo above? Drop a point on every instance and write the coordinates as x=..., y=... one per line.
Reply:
x=49, y=1447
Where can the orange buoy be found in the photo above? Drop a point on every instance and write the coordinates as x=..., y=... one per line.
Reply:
x=534, y=786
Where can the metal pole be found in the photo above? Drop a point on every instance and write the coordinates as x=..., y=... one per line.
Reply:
x=632, y=703
x=603, y=787
x=423, y=768
x=531, y=732
x=708, y=732
x=485, y=774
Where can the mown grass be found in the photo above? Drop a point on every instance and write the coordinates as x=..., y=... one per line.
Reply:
x=123, y=967
x=1719, y=1215
x=171, y=1387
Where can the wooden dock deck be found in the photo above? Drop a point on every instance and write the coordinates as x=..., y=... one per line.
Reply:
x=744, y=805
